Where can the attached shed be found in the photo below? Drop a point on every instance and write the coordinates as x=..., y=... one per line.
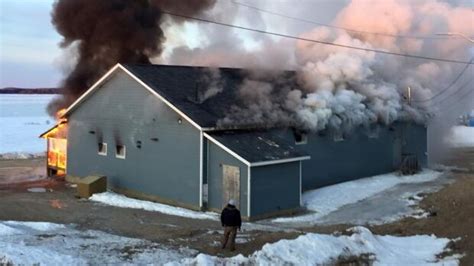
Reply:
x=259, y=170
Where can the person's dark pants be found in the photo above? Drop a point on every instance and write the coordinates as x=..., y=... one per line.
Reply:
x=230, y=232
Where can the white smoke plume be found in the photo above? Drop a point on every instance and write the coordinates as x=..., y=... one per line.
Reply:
x=213, y=82
x=339, y=88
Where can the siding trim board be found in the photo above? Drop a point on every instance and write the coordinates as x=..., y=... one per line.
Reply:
x=263, y=163
x=161, y=98
x=249, y=191
x=101, y=80
x=280, y=161
x=201, y=161
x=222, y=146
x=301, y=185
x=89, y=91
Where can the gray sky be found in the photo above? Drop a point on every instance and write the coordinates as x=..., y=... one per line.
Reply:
x=30, y=55
x=28, y=44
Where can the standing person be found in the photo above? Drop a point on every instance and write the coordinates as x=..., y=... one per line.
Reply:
x=231, y=221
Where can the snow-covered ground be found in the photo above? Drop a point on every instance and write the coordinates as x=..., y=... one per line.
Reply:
x=117, y=200
x=22, y=119
x=29, y=243
x=461, y=136
x=40, y=243
x=321, y=249
x=373, y=200
x=324, y=201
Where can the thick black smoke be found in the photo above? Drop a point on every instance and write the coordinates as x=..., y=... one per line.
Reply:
x=107, y=32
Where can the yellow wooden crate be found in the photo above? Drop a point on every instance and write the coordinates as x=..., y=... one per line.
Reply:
x=90, y=185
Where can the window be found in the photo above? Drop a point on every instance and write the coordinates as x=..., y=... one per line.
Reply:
x=120, y=151
x=300, y=138
x=102, y=149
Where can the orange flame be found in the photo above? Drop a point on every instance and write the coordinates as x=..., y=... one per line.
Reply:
x=57, y=143
x=59, y=114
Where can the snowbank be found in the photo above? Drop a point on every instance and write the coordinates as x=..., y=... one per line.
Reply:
x=328, y=199
x=320, y=249
x=38, y=243
x=29, y=243
x=30, y=226
x=117, y=200
x=461, y=136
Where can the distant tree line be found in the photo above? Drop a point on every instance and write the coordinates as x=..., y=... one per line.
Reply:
x=13, y=90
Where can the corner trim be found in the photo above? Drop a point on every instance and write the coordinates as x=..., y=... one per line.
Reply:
x=201, y=161
x=301, y=184
x=249, y=187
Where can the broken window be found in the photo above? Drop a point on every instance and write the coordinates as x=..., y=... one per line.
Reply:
x=102, y=148
x=120, y=151
x=300, y=137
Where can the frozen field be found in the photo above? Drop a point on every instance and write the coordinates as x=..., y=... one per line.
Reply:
x=22, y=119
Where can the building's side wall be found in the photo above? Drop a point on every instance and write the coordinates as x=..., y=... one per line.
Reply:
x=166, y=166
x=358, y=155
x=216, y=158
x=275, y=188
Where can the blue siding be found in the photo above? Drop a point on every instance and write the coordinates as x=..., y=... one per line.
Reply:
x=274, y=188
x=123, y=112
x=358, y=155
x=217, y=157
x=340, y=161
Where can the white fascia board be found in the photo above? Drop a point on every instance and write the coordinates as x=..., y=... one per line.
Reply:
x=89, y=91
x=280, y=161
x=101, y=80
x=161, y=98
x=222, y=146
x=209, y=129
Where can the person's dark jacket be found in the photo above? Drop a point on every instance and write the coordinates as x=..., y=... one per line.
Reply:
x=230, y=216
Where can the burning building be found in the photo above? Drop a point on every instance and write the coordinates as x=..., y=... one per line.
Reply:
x=166, y=133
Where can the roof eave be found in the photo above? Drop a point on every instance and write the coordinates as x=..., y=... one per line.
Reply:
x=280, y=161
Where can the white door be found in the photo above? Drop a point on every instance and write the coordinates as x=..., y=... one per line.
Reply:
x=231, y=184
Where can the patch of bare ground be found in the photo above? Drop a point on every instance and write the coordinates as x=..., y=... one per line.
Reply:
x=451, y=210
x=364, y=259
x=452, y=216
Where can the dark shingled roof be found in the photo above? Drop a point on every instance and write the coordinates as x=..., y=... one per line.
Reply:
x=257, y=146
x=180, y=86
